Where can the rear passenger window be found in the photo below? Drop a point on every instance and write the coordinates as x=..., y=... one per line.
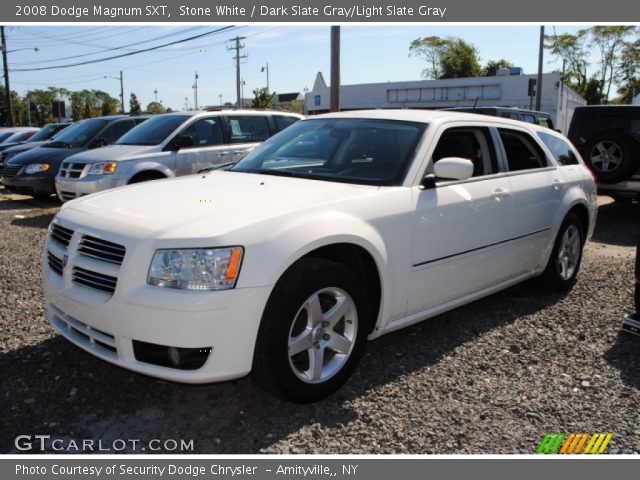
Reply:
x=250, y=128
x=523, y=153
x=472, y=143
x=205, y=132
x=560, y=149
x=283, y=122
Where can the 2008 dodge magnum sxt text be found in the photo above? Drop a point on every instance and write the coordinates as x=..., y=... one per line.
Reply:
x=342, y=227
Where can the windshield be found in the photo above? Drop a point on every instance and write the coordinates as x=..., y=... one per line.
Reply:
x=79, y=133
x=154, y=131
x=364, y=151
x=48, y=131
x=18, y=137
x=5, y=135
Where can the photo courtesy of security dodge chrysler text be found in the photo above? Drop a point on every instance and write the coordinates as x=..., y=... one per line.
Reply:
x=339, y=229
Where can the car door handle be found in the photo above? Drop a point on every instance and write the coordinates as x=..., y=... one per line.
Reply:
x=557, y=184
x=499, y=193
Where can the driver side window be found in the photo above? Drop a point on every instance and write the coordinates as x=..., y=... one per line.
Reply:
x=204, y=132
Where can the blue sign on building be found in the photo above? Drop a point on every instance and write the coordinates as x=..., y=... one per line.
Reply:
x=316, y=100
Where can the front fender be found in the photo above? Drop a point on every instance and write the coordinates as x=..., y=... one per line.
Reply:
x=130, y=171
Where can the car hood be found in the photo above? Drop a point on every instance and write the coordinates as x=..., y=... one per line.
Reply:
x=206, y=206
x=54, y=156
x=112, y=153
x=23, y=147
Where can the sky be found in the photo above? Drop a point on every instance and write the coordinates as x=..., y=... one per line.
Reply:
x=369, y=54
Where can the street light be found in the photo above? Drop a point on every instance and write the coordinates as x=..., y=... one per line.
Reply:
x=220, y=96
x=155, y=92
x=121, y=89
x=266, y=69
x=195, y=91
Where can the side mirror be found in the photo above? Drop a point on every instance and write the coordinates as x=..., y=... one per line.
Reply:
x=181, y=142
x=453, y=168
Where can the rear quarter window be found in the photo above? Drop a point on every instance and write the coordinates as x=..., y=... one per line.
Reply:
x=523, y=152
x=560, y=149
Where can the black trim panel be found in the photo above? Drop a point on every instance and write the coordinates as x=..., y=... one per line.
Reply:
x=481, y=248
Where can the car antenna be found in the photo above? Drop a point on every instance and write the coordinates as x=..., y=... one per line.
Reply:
x=476, y=102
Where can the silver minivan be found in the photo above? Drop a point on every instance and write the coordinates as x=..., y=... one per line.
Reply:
x=170, y=145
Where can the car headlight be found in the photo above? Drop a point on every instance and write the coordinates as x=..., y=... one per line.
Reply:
x=101, y=168
x=36, y=168
x=196, y=268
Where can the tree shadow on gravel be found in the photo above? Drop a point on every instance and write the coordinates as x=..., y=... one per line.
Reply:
x=625, y=356
x=618, y=224
x=34, y=221
x=55, y=388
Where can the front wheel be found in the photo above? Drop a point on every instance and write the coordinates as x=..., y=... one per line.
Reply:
x=564, y=262
x=313, y=331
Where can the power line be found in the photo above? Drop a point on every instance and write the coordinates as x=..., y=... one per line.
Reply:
x=113, y=57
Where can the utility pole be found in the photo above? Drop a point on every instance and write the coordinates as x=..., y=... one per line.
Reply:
x=28, y=107
x=7, y=88
x=266, y=69
x=121, y=91
x=195, y=92
x=155, y=92
x=237, y=47
x=539, y=82
x=335, y=69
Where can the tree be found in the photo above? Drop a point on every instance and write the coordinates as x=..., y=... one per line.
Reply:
x=629, y=72
x=492, y=66
x=447, y=57
x=134, y=105
x=263, y=99
x=610, y=41
x=155, y=107
x=574, y=50
x=459, y=60
x=430, y=49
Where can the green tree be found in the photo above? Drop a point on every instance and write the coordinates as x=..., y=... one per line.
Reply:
x=446, y=57
x=262, y=98
x=430, y=49
x=134, y=104
x=155, y=107
x=492, y=66
x=574, y=50
x=628, y=77
x=610, y=40
x=459, y=60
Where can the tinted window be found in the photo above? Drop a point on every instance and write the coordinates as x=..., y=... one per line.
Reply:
x=114, y=131
x=545, y=122
x=48, y=131
x=365, y=151
x=523, y=153
x=283, y=122
x=250, y=128
x=204, y=132
x=560, y=149
x=5, y=135
x=154, y=131
x=512, y=115
x=18, y=137
x=474, y=144
x=79, y=133
x=526, y=117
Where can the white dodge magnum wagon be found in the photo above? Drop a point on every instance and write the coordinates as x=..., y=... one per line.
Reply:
x=339, y=229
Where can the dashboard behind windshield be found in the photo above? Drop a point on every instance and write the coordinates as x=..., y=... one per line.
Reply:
x=364, y=151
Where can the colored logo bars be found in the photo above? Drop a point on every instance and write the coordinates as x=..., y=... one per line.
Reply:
x=558, y=443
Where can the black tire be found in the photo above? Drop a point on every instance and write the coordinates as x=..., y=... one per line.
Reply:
x=554, y=277
x=146, y=177
x=611, y=156
x=273, y=368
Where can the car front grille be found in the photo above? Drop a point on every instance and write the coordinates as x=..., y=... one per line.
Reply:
x=95, y=280
x=54, y=263
x=90, y=260
x=61, y=235
x=71, y=170
x=101, y=249
x=9, y=171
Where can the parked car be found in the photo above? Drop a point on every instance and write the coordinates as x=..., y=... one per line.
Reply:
x=33, y=172
x=39, y=138
x=343, y=227
x=530, y=116
x=608, y=137
x=170, y=145
x=19, y=135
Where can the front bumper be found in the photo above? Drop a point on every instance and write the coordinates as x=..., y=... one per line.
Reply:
x=68, y=189
x=29, y=184
x=109, y=325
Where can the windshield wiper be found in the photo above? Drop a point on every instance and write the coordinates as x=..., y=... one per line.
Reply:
x=277, y=173
x=211, y=168
x=58, y=143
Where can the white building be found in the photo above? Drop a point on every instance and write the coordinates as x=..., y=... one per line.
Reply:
x=501, y=90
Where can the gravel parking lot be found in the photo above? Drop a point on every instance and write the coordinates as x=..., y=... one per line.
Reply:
x=492, y=377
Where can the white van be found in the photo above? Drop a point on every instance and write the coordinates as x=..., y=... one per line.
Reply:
x=169, y=145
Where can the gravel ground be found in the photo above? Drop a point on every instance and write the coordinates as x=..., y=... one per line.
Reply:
x=492, y=377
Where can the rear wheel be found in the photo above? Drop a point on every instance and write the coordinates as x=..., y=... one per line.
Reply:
x=313, y=331
x=566, y=256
